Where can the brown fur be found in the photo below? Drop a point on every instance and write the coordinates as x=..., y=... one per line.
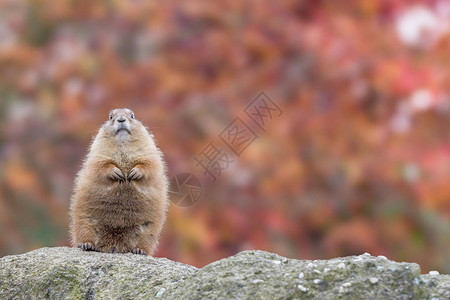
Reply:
x=120, y=195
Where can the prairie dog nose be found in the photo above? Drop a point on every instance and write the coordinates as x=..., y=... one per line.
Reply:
x=121, y=119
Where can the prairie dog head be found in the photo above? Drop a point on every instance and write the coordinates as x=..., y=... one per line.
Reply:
x=122, y=125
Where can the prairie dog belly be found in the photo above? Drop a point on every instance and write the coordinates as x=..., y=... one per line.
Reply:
x=122, y=206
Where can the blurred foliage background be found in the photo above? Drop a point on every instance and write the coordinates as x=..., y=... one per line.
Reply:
x=358, y=162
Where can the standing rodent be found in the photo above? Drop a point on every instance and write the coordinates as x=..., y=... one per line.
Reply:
x=120, y=196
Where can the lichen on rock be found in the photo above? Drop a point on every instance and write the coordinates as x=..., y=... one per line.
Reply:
x=68, y=273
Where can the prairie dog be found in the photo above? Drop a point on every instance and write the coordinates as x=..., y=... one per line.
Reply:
x=120, y=196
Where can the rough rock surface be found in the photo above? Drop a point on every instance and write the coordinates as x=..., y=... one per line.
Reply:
x=66, y=273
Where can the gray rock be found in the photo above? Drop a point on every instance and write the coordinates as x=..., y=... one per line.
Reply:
x=67, y=273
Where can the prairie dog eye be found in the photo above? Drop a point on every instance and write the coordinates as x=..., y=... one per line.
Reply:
x=132, y=115
x=110, y=116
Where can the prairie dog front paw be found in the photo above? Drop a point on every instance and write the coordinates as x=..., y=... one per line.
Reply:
x=116, y=174
x=135, y=174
